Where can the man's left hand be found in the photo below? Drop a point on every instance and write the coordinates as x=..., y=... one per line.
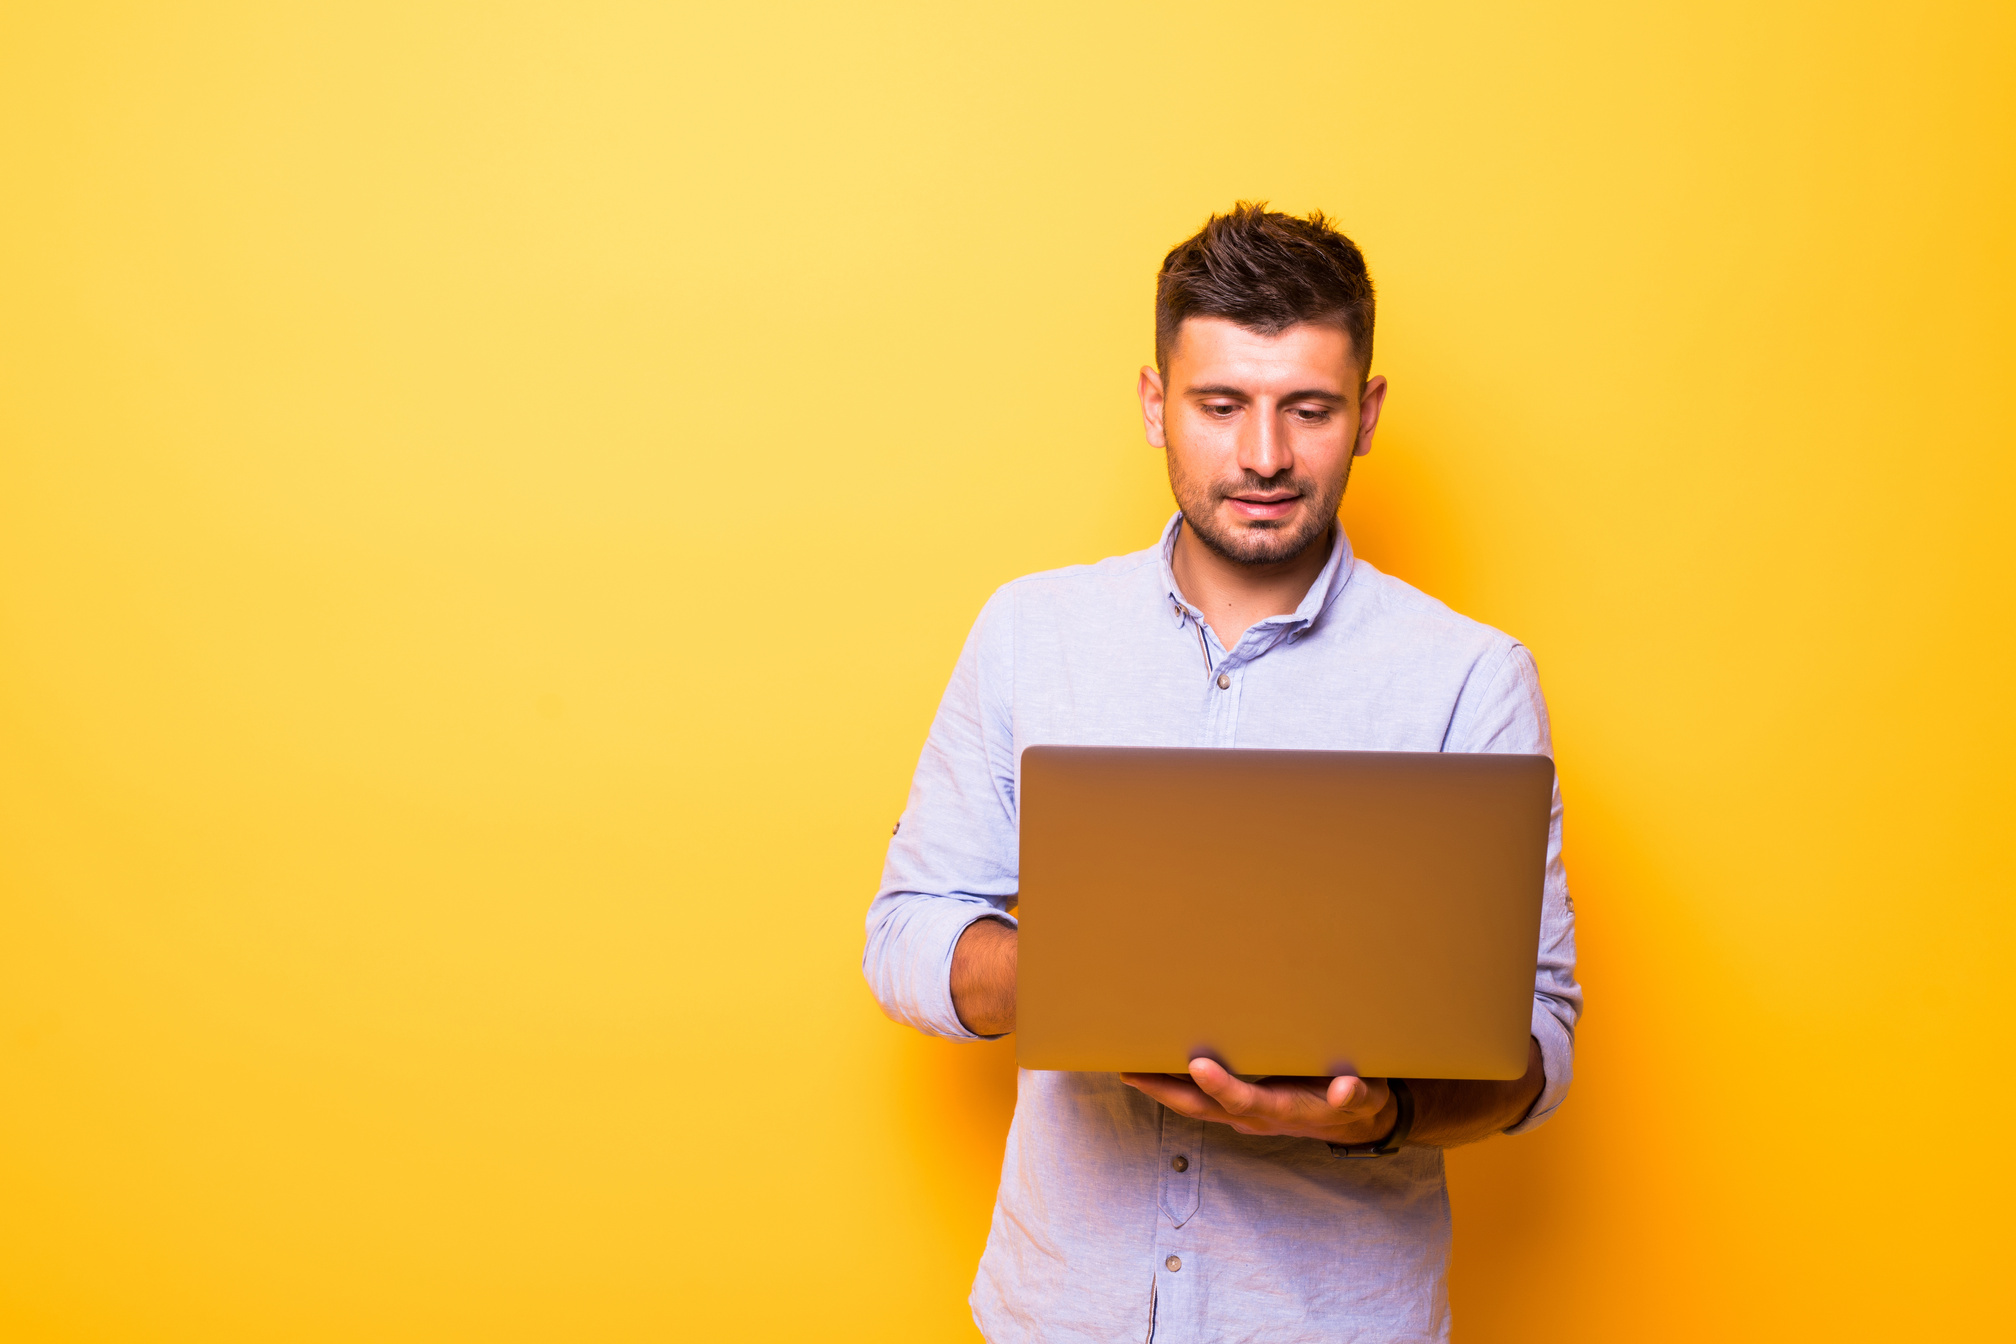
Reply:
x=1335, y=1110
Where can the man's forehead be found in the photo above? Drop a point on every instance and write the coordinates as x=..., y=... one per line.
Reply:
x=1213, y=349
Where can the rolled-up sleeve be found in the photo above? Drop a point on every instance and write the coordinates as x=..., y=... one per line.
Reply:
x=954, y=858
x=1503, y=710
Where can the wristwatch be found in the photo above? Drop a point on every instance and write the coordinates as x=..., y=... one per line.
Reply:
x=1403, y=1100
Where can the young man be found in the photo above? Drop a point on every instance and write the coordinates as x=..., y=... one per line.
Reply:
x=1199, y=1207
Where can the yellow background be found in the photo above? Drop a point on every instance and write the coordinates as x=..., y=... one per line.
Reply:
x=490, y=494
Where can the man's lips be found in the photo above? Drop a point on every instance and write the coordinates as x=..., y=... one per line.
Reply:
x=1263, y=508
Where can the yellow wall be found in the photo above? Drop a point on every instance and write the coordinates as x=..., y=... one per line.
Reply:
x=489, y=495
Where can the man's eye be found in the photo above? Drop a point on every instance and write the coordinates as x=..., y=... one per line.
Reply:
x=1311, y=417
x=1219, y=409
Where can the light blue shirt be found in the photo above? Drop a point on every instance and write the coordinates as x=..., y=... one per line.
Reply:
x=1097, y=1235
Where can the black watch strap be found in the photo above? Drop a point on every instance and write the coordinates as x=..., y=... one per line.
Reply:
x=1403, y=1101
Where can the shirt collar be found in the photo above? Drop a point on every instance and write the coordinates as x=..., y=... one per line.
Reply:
x=1329, y=582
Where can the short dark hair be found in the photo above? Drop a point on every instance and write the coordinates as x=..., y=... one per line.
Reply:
x=1267, y=272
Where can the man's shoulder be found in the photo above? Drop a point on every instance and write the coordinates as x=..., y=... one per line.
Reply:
x=1395, y=609
x=1116, y=578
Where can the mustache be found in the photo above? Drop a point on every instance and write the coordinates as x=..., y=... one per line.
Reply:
x=1253, y=480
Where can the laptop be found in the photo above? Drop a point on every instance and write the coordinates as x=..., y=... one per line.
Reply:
x=1282, y=912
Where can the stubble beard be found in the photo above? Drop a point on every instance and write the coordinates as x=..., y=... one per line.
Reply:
x=1263, y=543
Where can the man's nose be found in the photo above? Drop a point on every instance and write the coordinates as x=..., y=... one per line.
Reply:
x=1262, y=448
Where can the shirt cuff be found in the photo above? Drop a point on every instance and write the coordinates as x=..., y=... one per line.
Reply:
x=1557, y=1059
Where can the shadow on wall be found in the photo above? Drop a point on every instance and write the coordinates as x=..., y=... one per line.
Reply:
x=1397, y=516
x=963, y=1100
x=1525, y=1208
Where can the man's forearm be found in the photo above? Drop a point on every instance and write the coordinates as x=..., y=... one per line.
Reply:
x=983, y=977
x=1452, y=1111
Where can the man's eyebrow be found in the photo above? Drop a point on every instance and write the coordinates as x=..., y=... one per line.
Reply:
x=1301, y=394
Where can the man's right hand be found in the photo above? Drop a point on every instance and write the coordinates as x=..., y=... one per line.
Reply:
x=983, y=978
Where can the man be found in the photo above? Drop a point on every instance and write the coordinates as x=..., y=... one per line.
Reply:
x=1200, y=1207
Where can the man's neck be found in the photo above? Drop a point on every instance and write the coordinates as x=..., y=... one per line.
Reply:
x=1233, y=596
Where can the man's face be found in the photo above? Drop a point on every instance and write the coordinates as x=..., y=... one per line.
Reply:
x=1260, y=432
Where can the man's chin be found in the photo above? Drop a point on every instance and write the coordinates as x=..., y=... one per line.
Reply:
x=1256, y=543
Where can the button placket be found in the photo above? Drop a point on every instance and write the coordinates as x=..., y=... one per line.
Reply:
x=1221, y=707
x=1179, y=1287
x=1182, y=1166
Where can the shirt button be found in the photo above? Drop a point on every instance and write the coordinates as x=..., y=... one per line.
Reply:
x=1180, y=1162
x=1224, y=680
x=1174, y=1263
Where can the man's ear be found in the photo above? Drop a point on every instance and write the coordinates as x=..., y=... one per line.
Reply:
x=1370, y=401
x=1153, y=406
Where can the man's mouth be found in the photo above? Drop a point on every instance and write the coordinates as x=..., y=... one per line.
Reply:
x=1263, y=506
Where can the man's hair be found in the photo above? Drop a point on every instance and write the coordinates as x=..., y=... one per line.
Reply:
x=1267, y=272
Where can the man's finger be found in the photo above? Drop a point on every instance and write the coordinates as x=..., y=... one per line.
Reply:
x=1237, y=1097
x=1347, y=1093
x=1357, y=1095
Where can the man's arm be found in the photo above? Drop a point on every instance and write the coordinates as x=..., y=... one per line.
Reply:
x=983, y=977
x=953, y=860
x=1505, y=712
x=1452, y=1111
x=1447, y=1111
